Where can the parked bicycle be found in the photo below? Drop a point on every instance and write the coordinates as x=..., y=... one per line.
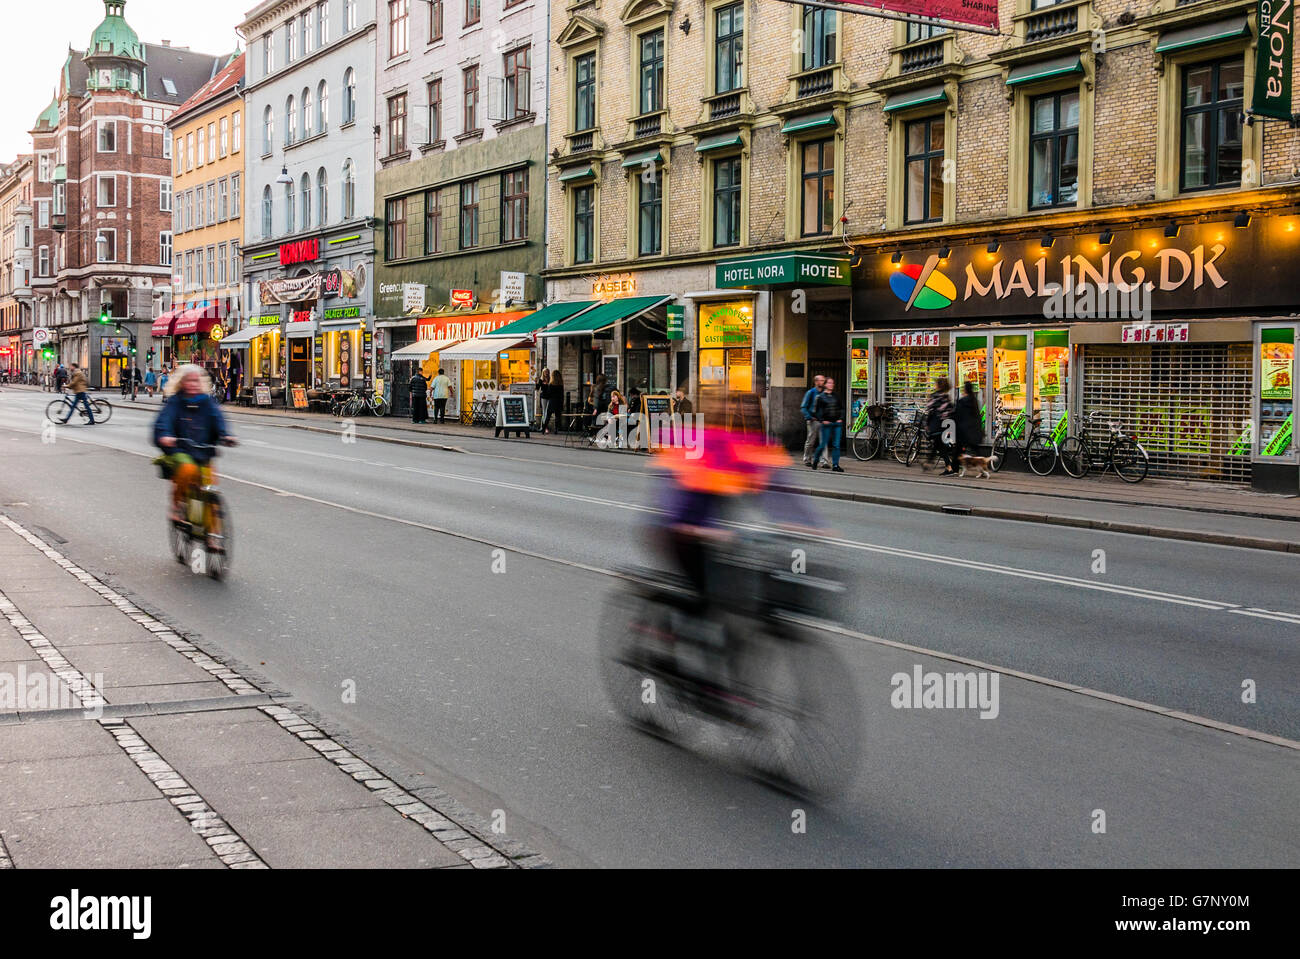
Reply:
x=888, y=430
x=58, y=411
x=1118, y=451
x=1027, y=437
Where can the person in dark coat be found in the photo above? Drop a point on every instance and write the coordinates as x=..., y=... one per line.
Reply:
x=554, y=393
x=970, y=426
x=939, y=410
x=829, y=412
x=419, y=387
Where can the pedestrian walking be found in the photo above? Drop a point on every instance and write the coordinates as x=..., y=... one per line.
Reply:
x=938, y=412
x=813, y=428
x=970, y=425
x=150, y=381
x=828, y=410
x=543, y=394
x=554, y=402
x=441, y=392
x=419, y=388
x=60, y=377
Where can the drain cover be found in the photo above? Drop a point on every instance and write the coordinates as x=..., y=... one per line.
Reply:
x=956, y=510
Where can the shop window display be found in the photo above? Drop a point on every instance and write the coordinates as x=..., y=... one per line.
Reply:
x=1276, y=396
x=1010, y=388
x=1051, y=379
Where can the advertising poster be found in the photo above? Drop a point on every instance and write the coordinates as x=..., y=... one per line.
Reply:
x=1049, y=378
x=1009, y=379
x=896, y=376
x=1192, y=431
x=1275, y=371
x=860, y=365
x=1153, y=428
x=968, y=371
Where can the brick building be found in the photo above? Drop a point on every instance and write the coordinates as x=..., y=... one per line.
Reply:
x=16, y=351
x=102, y=192
x=788, y=174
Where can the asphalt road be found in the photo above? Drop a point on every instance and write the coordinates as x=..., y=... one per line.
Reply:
x=374, y=563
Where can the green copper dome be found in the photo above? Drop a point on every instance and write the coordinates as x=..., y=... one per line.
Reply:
x=50, y=117
x=114, y=37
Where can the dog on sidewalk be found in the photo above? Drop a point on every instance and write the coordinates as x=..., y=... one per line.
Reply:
x=981, y=463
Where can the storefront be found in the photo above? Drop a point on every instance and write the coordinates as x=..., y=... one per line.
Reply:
x=1158, y=330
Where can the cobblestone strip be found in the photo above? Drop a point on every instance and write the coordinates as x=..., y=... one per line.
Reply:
x=224, y=842
x=5, y=861
x=232, y=680
x=91, y=699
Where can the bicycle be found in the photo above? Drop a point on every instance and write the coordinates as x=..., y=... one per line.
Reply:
x=889, y=430
x=204, y=538
x=1037, y=449
x=376, y=404
x=55, y=409
x=1121, y=452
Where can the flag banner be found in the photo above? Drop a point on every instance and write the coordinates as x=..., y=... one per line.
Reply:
x=1273, y=54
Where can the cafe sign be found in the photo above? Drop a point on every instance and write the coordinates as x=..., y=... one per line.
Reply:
x=300, y=251
x=785, y=268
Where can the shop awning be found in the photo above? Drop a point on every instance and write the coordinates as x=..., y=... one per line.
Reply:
x=555, y=313
x=578, y=173
x=606, y=315
x=482, y=348
x=1203, y=33
x=642, y=158
x=718, y=142
x=422, y=349
x=301, y=328
x=198, y=320
x=810, y=121
x=915, y=98
x=240, y=339
x=163, y=325
x=1044, y=69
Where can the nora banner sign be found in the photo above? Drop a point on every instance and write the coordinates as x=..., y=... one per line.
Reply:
x=1273, y=54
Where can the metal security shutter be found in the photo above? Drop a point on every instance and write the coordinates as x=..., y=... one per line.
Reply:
x=913, y=390
x=1188, y=403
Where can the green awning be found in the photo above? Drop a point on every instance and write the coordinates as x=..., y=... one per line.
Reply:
x=1045, y=69
x=915, y=98
x=1202, y=33
x=606, y=315
x=642, y=158
x=718, y=141
x=1051, y=338
x=578, y=173
x=555, y=313
x=810, y=121
x=965, y=343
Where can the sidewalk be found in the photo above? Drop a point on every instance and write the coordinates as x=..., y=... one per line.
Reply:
x=124, y=745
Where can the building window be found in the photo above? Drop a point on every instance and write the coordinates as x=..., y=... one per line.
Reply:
x=584, y=92
x=200, y=202
x=473, y=9
x=189, y=210
x=399, y=27
x=1212, y=124
x=212, y=142
x=435, y=20
x=189, y=271
x=306, y=201
x=107, y=136
x=268, y=132
x=306, y=32
x=650, y=214
x=43, y=261
x=584, y=223
x=923, y=192
x=349, y=95
x=167, y=143
x=322, y=24
x=165, y=195
x=818, y=187
x=349, y=15
x=652, y=71
x=728, y=48
x=290, y=121
x=43, y=168
x=212, y=203
x=267, y=210
x=469, y=215
x=322, y=106
x=290, y=43
x=165, y=249
x=221, y=264
x=203, y=148
x=397, y=124
x=189, y=151
x=395, y=230
x=106, y=191
x=43, y=214
x=435, y=111
x=237, y=134
x=61, y=199
x=514, y=206
x=106, y=246
x=924, y=30
x=235, y=210
x=471, y=99
x=432, y=222
x=212, y=267
x=234, y=264
x=223, y=201
x=1054, y=150
x=307, y=115
x=289, y=208
x=349, y=189
x=225, y=137
x=268, y=54
x=322, y=197
x=819, y=29
x=518, y=88
x=726, y=201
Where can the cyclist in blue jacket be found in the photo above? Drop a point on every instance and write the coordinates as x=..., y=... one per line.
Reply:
x=188, y=429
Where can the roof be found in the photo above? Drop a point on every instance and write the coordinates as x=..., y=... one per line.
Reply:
x=228, y=79
x=114, y=36
x=75, y=74
x=50, y=117
x=186, y=70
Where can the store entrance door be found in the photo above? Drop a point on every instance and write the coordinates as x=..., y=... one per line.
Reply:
x=300, y=361
x=731, y=370
x=112, y=371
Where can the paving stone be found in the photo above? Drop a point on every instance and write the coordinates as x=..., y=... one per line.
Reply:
x=221, y=738
x=134, y=664
x=54, y=741
x=103, y=835
x=355, y=838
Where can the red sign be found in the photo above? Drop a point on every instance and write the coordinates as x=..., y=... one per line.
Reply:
x=302, y=251
x=462, y=299
x=980, y=13
x=300, y=316
x=463, y=327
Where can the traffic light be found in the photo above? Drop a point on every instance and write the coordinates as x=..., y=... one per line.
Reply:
x=48, y=353
x=149, y=355
x=104, y=315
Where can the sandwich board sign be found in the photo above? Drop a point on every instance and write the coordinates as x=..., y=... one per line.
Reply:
x=512, y=415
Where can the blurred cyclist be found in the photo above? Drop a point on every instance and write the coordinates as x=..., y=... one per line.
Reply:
x=188, y=427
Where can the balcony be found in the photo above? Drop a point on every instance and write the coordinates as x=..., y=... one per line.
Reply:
x=581, y=142
x=815, y=83
x=921, y=56
x=725, y=105
x=647, y=126
x=58, y=222
x=1051, y=23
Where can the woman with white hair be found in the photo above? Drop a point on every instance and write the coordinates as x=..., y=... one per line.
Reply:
x=188, y=429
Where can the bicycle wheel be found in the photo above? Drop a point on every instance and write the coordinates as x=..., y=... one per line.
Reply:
x=178, y=542
x=907, y=445
x=380, y=406
x=866, y=443
x=1130, y=461
x=1074, y=457
x=637, y=664
x=1041, y=454
x=998, y=456
x=220, y=541
x=56, y=410
x=103, y=410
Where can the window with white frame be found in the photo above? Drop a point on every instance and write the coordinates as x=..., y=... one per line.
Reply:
x=268, y=131
x=105, y=191
x=236, y=210
x=349, y=95
x=223, y=200
x=43, y=261
x=224, y=148
x=221, y=264
x=212, y=142
x=167, y=144
x=322, y=106
x=165, y=195
x=322, y=24
x=268, y=54
x=43, y=214
x=165, y=248
x=236, y=140
x=202, y=157
x=107, y=142
x=106, y=246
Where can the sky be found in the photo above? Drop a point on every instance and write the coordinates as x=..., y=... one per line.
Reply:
x=39, y=33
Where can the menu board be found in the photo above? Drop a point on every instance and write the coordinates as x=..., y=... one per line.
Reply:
x=299, y=397
x=262, y=395
x=656, y=404
x=512, y=414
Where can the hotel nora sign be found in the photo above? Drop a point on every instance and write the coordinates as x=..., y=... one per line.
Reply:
x=1207, y=267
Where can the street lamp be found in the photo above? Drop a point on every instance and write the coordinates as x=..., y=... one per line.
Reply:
x=284, y=176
